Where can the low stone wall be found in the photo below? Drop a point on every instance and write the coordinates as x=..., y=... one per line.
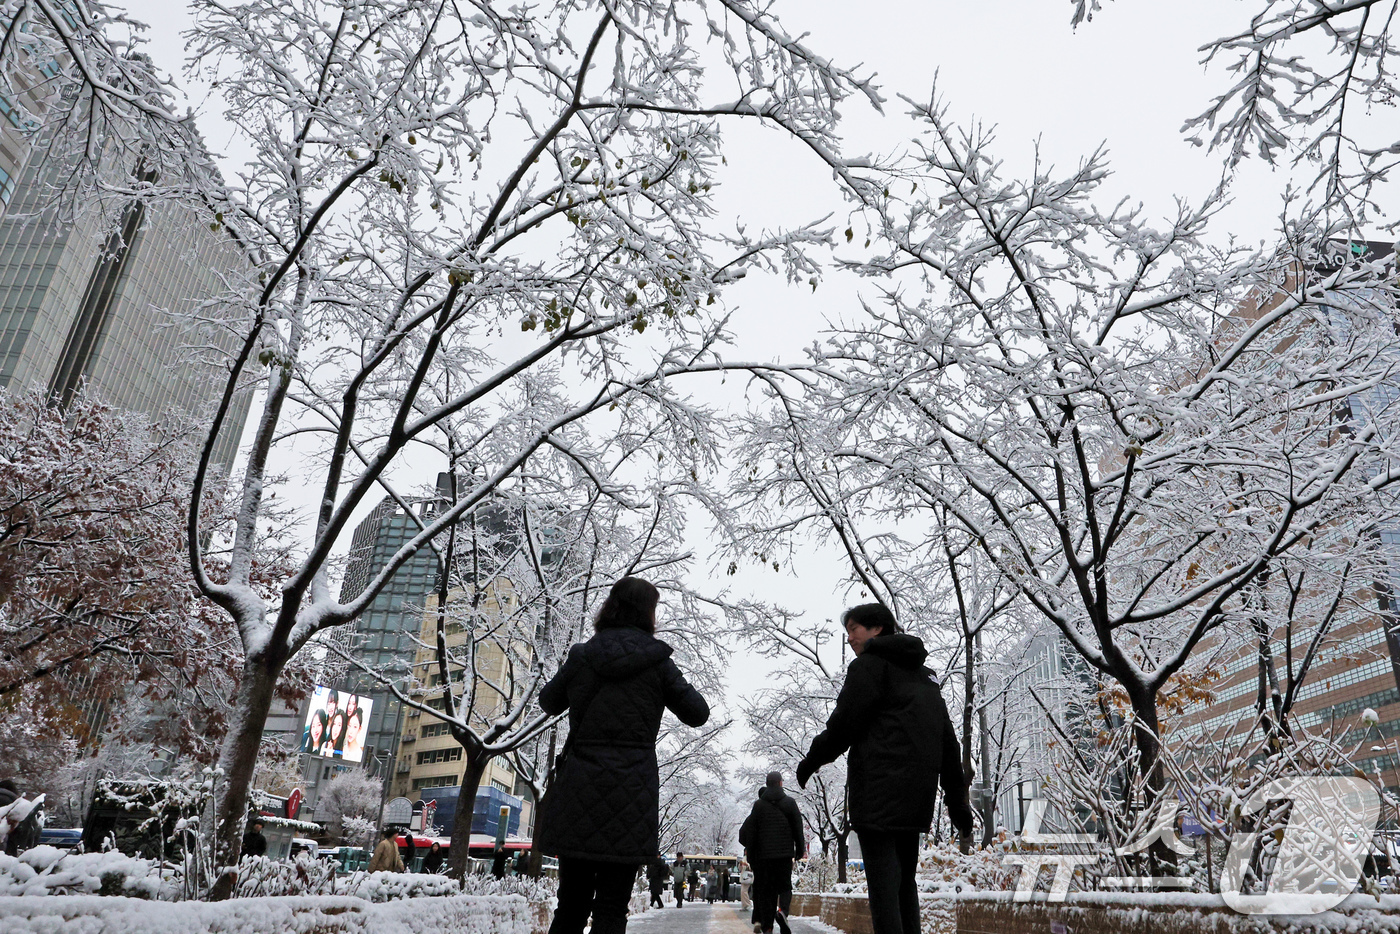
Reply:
x=1149, y=913
x=851, y=913
x=95, y=914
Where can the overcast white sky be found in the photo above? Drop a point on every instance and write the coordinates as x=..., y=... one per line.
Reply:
x=1128, y=80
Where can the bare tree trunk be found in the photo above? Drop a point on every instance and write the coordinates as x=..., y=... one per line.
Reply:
x=969, y=699
x=462, y=819
x=536, y=857
x=843, y=853
x=1146, y=736
x=988, y=800
x=238, y=760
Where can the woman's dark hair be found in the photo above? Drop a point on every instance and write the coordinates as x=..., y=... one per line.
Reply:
x=631, y=603
x=871, y=616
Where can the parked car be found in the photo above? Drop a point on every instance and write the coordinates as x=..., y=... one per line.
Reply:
x=65, y=838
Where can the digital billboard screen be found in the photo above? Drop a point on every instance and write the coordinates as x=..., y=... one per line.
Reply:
x=336, y=725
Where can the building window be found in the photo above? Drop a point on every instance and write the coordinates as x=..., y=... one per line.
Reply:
x=7, y=186
x=437, y=781
x=434, y=729
x=430, y=756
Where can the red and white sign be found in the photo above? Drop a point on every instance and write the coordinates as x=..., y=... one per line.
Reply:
x=294, y=803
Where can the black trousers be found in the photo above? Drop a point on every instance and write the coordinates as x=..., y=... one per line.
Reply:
x=891, y=859
x=656, y=892
x=678, y=889
x=589, y=886
x=772, y=889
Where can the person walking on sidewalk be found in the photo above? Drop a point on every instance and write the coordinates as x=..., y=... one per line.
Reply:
x=386, y=856
x=772, y=836
x=601, y=816
x=891, y=716
x=658, y=874
x=678, y=880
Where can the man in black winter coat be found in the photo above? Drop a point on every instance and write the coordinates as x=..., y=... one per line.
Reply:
x=254, y=843
x=891, y=716
x=601, y=816
x=772, y=835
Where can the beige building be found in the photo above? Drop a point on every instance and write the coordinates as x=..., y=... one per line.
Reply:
x=428, y=755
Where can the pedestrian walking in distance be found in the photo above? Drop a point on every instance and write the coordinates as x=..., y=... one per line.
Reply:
x=386, y=856
x=678, y=880
x=432, y=863
x=891, y=716
x=601, y=816
x=772, y=836
x=254, y=843
x=658, y=874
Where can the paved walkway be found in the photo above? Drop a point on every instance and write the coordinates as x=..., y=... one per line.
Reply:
x=700, y=918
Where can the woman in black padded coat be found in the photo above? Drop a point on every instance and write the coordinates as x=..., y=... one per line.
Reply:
x=600, y=819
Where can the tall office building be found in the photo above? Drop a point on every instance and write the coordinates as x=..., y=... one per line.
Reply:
x=105, y=299
x=115, y=309
x=384, y=635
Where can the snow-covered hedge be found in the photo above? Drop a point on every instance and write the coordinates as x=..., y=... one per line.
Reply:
x=47, y=870
x=535, y=890
x=84, y=914
x=390, y=886
x=1167, y=913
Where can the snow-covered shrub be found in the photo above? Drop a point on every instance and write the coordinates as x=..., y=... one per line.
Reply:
x=818, y=874
x=943, y=869
x=259, y=875
x=388, y=886
x=534, y=890
x=47, y=870
x=91, y=914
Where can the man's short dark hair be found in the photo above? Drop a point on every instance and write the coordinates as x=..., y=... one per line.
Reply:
x=871, y=616
x=389, y=832
x=774, y=780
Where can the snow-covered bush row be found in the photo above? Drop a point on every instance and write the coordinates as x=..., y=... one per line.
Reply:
x=1166, y=913
x=292, y=915
x=534, y=890
x=47, y=870
x=943, y=869
x=259, y=875
x=391, y=886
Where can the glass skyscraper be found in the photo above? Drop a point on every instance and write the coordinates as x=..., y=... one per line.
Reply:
x=126, y=305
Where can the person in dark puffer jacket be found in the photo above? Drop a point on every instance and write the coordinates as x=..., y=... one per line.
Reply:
x=891, y=716
x=772, y=836
x=601, y=819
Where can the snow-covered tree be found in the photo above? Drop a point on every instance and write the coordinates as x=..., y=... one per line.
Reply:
x=92, y=576
x=693, y=769
x=475, y=229
x=350, y=794
x=1132, y=428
